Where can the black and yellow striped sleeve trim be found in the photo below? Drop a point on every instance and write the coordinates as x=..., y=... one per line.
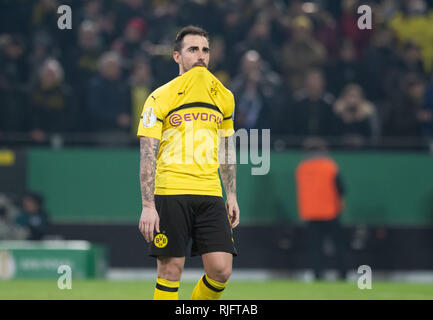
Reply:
x=227, y=118
x=207, y=284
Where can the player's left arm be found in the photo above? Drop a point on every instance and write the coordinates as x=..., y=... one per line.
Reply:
x=227, y=156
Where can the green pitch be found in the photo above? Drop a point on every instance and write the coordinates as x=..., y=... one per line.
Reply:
x=258, y=290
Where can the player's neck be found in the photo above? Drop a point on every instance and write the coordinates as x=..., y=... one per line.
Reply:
x=181, y=71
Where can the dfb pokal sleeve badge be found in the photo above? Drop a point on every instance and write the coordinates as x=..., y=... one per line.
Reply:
x=149, y=117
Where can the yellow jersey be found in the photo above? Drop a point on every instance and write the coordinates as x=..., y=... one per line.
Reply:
x=188, y=115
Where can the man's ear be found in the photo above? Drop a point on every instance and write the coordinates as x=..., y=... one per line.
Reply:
x=176, y=56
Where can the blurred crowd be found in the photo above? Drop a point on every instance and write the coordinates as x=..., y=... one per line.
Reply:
x=301, y=68
x=23, y=218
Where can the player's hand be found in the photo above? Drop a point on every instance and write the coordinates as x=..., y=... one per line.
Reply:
x=233, y=210
x=149, y=222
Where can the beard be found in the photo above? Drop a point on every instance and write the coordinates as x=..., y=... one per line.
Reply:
x=196, y=64
x=200, y=63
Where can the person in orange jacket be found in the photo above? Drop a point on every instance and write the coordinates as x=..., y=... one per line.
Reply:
x=320, y=194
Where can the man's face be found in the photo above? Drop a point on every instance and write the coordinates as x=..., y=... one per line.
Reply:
x=353, y=97
x=111, y=70
x=315, y=83
x=30, y=205
x=194, y=52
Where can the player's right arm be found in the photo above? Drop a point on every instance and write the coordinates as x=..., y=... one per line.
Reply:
x=149, y=219
x=149, y=131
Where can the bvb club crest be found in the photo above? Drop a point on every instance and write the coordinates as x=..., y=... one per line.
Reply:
x=160, y=240
x=213, y=89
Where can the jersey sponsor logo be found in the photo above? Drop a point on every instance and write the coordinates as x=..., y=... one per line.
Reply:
x=149, y=117
x=160, y=240
x=176, y=119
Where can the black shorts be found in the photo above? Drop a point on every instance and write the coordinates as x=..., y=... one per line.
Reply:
x=203, y=219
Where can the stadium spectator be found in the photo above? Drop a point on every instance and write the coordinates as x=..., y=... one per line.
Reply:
x=302, y=52
x=140, y=88
x=411, y=23
x=233, y=28
x=345, y=69
x=411, y=59
x=358, y=120
x=13, y=82
x=409, y=62
x=44, y=15
x=162, y=18
x=197, y=13
x=51, y=103
x=109, y=100
x=405, y=115
x=42, y=48
x=130, y=44
x=327, y=33
x=81, y=64
x=82, y=60
x=312, y=108
x=320, y=196
x=91, y=10
x=348, y=27
x=256, y=91
x=9, y=230
x=128, y=9
x=106, y=23
x=294, y=9
x=32, y=216
x=292, y=37
x=259, y=39
x=44, y=20
x=379, y=59
x=386, y=9
x=218, y=63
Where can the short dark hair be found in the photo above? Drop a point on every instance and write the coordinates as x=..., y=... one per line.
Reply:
x=178, y=42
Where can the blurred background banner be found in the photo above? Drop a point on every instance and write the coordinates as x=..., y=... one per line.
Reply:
x=87, y=185
x=42, y=259
x=71, y=99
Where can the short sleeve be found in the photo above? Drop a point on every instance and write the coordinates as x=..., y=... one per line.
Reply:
x=150, y=124
x=227, y=127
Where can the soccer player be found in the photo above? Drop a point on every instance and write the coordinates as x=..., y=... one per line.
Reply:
x=185, y=130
